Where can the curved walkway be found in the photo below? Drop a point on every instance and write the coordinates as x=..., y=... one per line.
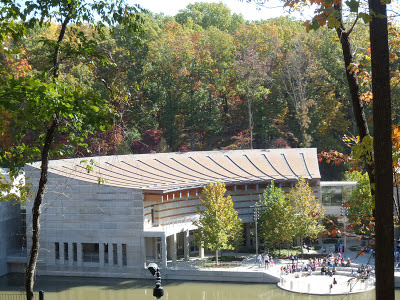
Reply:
x=323, y=285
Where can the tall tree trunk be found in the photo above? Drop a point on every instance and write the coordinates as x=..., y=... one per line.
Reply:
x=382, y=120
x=250, y=111
x=354, y=87
x=36, y=210
x=216, y=257
x=301, y=246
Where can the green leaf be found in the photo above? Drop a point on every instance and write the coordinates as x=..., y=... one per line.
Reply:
x=365, y=17
x=314, y=25
x=333, y=22
x=353, y=5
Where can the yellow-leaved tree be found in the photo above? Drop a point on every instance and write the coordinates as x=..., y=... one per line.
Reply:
x=219, y=226
x=306, y=211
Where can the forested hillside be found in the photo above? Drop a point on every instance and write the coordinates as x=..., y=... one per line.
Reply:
x=206, y=79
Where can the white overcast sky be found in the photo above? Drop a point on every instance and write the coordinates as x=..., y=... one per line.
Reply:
x=248, y=10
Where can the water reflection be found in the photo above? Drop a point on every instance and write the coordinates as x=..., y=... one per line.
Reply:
x=72, y=288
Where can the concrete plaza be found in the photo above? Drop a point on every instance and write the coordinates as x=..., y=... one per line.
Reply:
x=249, y=270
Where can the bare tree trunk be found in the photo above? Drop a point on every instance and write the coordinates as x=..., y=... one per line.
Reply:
x=216, y=257
x=382, y=120
x=301, y=246
x=354, y=87
x=36, y=210
x=250, y=109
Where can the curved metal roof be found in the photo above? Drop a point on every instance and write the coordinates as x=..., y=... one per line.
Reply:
x=182, y=170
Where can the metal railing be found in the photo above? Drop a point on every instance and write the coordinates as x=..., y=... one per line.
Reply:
x=20, y=296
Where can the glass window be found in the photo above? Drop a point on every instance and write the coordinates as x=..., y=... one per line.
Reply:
x=346, y=192
x=75, y=251
x=57, y=250
x=106, y=253
x=115, y=254
x=90, y=252
x=124, y=258
x=326, y=195
x=336, y=195
x=65, y=251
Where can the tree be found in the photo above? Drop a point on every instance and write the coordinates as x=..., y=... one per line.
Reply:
x=305, y=211
x=210, y=14
x=252, y=77
x=219, y=224
x=50, y=107
x=360, y=204
x=382, y=121
x=330, y=13
x=276, y=225
x=295, y=81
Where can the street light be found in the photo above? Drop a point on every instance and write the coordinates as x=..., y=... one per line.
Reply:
x=343, y=212
x=158, y=290
x=256, y=216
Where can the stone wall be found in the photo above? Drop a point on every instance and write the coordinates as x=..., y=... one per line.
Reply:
x=77, y=216
x=10, y=240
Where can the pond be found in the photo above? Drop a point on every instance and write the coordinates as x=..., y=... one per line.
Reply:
x=73, y=288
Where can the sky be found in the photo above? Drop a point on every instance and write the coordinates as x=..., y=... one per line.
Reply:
x=248, y=10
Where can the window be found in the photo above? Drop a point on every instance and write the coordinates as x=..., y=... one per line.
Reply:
x=75, y=252
x=336, y=195
x=124, y=258
x=326, y=196
x=57, y=251
x=105, y=253
x=90, y=252
x=66, y=251
x=115, y=254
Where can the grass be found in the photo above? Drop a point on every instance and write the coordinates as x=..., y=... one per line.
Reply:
x=292, y=251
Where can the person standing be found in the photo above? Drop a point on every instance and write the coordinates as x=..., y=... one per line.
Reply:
x=260, y=260
x=266, y=261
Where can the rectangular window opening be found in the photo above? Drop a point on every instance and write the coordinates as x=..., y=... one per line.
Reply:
x=75, y=252
x=57, y=250
x=124, y=257
x=90, y=252
x=115, y=254
x=66, y=251
x=105, y=253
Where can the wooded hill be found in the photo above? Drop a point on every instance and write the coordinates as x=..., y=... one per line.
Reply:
x=206, y=79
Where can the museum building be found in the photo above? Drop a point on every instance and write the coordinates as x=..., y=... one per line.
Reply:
x=110, y=216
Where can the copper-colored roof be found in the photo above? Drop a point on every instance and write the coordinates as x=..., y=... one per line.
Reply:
x=182, y=170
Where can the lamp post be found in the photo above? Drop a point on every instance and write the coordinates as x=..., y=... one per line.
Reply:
x=255, y=217
x=158, y=290
x=344, y=213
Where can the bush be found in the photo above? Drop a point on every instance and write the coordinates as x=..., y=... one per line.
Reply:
x=227, y=258
x=330, y=241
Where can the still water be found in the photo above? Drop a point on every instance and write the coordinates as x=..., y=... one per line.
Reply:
x=77, y=288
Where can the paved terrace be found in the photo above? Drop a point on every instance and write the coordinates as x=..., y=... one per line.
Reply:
x=249, y=270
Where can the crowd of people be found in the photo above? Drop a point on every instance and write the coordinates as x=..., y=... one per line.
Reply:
x=328, y=265
x=264, y=260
